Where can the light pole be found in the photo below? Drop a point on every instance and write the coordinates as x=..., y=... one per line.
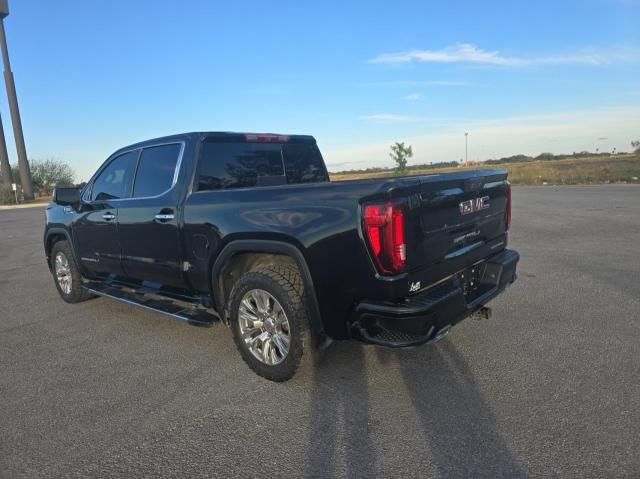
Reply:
x=23, y=164
x=466, y=148
x=5, y=167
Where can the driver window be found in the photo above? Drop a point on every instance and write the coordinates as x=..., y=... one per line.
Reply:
x=114, y=182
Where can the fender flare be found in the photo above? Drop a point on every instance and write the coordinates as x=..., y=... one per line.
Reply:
x=270, y=247
x=63, y=232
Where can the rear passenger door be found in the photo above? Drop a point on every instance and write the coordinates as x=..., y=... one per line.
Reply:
x=148, y=221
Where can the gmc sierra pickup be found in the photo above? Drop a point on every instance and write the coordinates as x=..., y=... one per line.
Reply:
x=247, y=229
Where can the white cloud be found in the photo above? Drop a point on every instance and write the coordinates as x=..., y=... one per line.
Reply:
x=390, y=118
x=562, y=132
x=468, y=53
x=418, y=83
x=413, y=97
x=442, y=83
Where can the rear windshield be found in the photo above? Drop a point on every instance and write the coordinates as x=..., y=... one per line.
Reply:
x=229, y=165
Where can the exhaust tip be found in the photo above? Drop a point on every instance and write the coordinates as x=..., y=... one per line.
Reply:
x=482, y=313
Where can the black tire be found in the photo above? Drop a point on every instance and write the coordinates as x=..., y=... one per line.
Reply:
x=286, y=286
x=77, y=293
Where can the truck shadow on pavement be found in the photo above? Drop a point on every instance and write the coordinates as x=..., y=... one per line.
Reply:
x=459, y=429
x=340, y=413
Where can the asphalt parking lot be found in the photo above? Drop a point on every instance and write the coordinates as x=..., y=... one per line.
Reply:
x=550, y=386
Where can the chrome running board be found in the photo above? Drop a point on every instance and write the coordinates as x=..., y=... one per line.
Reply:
x=194, y=314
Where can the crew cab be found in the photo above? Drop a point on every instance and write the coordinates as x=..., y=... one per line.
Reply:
x=248, y=230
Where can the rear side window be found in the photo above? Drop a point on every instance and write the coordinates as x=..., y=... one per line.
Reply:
x=225, y=166
x=245, y=164
x=303, y=163
x=115, y=180
x=156, y=170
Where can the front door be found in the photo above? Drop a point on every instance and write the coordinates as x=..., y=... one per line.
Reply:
x=96, y=228
x=148, y=221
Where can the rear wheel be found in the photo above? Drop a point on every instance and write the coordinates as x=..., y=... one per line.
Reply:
x=66, y=274
x=270, y=323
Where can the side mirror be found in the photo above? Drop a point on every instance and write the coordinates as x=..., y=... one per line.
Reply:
x=66, y=196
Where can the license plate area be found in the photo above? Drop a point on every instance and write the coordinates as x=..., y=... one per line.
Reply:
x=471, y=281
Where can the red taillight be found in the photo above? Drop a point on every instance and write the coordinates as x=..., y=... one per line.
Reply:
x=384, y=232
x=508, y=206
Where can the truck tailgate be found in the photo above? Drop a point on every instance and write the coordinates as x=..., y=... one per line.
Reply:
x=454, y=216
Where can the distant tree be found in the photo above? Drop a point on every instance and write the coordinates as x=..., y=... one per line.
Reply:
x=400, y=154
x=636, y=146
x=545, y=156
x=49, y=173
x=6, y=195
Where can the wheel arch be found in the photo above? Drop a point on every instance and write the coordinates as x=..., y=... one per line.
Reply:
x=52, y=236
x=243, y=252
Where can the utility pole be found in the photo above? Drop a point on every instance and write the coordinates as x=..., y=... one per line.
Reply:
x=23, y=163
x=466, y=148
x=5, y=167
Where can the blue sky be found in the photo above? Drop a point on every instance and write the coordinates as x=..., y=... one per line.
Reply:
x=520, y=77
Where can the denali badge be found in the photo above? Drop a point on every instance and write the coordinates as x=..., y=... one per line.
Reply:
x=464, y=237
x=476, y=204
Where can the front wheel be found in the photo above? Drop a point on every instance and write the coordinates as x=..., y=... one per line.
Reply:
x=270, y=323
x=66, y=274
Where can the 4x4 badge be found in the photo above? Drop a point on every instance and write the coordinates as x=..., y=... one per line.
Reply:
x=413, y=287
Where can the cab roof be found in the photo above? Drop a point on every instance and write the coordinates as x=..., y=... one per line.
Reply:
x=223, y=136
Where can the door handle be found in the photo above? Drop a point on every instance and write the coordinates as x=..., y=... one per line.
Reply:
x=109, y=216
x=164, y=216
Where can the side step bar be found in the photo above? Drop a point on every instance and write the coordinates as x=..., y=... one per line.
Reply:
x=195, y=315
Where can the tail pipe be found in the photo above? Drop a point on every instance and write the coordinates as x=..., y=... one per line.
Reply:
x=482, y=313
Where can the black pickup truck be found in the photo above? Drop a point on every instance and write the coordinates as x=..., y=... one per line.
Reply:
x=247, y=229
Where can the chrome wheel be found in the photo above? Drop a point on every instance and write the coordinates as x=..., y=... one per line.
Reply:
x=264, y=327
x=63, y=272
